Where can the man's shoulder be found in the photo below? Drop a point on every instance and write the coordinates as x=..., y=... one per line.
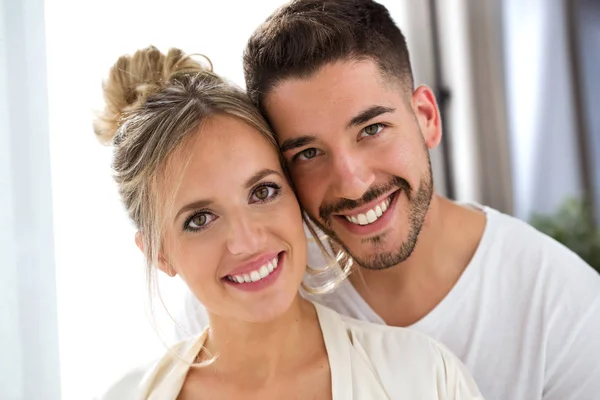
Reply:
x=520, y=242
x=511, y=249
x=505, y=229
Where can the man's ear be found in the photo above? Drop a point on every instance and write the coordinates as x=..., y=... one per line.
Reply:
x=163, y=265
x=428, y=115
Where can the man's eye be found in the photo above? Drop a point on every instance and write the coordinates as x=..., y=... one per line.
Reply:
x=372, y=130
x=307, y=154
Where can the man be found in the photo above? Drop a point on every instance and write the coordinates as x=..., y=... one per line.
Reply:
x=334, y=79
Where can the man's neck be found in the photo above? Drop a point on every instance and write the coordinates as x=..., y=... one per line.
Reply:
x=405, y=293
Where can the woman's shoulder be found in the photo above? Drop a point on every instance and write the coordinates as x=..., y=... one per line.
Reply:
x=377, y=334
x=403, y=355
x=165, y=374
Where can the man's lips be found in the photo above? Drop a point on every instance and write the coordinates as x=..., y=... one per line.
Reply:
x=374, y=221
x=369, y=206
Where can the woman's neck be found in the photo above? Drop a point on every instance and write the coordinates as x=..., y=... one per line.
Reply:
x=261, y=351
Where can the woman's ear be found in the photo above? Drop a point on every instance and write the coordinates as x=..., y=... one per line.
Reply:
x=139, y=241
x=163, y=265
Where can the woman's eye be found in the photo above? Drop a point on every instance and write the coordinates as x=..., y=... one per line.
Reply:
x=265, y=193
x=372, y=130
x=307, y=154
x=262, y=193
x=198, y=221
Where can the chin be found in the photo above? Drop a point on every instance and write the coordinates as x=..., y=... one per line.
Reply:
x=381, y=251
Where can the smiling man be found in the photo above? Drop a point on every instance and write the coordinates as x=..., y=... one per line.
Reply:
x=334, y=79
x=360, y=163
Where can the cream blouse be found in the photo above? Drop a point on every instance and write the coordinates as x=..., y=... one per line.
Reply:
x=367, y=362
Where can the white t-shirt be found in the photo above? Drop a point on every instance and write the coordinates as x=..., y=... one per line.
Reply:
x=367, y=362
x=524, y=317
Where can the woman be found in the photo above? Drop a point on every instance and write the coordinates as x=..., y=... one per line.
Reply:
x=200, y=174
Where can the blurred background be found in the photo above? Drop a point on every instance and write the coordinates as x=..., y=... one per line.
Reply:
x=518, y=84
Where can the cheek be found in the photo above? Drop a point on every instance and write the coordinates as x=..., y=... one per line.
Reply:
x=290, y=212
x=289, y=224
x=311, y=189
x=196, y=260
x=406, y=159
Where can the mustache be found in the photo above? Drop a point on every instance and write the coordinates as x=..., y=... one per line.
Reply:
x=327, y=209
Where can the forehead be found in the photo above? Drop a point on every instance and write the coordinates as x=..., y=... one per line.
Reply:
x=223, y=152
x=330, y=97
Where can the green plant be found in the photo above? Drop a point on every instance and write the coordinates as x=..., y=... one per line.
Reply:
x=573, y=225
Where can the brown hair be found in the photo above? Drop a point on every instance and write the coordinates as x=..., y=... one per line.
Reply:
x=153, y=103
x=302, y=36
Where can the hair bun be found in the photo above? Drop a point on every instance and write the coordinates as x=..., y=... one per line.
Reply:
x=132, y=78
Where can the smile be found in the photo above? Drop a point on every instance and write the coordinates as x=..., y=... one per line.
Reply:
x=371, y=215
x=256, y=275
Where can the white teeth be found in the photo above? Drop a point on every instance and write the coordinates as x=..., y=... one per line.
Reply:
x=384, y=206
x=362, y=219
x=256, y=275
x=263, y=271
x=354, y=220
x=371, y=215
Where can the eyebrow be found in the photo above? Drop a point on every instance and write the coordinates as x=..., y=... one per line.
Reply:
x=294, y=143
x=253, y=180
x=263, y=173
x=368, y=114
x=193, y=206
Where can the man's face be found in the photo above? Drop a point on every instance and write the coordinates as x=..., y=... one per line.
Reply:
x=356, y=148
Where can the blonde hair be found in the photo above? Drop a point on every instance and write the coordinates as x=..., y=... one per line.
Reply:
x=154, y=101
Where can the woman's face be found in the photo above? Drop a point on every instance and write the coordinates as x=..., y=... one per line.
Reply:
x=234, y=232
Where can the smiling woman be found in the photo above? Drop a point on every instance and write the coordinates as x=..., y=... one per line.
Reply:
x=102, y=295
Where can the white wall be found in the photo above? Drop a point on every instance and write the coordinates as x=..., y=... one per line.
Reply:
x=546, y=167
x=11, y=374
x=29, y=364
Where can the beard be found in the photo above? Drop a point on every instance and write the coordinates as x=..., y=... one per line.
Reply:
x=419, y=202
